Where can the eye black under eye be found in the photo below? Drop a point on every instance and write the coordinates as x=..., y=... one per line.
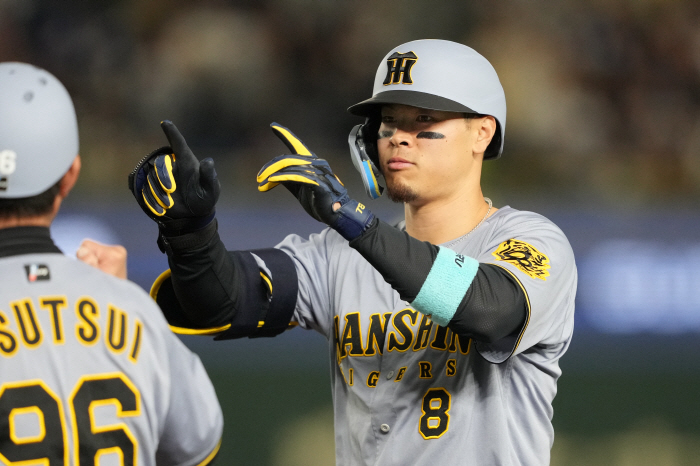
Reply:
x=430, y=135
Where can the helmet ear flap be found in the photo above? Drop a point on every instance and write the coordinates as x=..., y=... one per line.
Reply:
x=370, y=134
x=365, y=157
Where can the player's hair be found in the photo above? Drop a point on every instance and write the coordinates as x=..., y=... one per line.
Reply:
x=32, y=206
x=471, y=116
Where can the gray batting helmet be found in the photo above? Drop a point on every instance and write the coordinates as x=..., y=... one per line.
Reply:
x=38, y=130
x=440, y=75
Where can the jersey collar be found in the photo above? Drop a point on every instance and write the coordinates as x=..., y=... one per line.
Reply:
x=26, y=240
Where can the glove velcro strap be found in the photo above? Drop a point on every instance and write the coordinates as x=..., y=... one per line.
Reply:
x=184, y=226
x=189, y=241
x=352, y=219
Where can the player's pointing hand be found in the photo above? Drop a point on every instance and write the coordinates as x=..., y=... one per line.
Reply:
x=314, y=184
x=174, y=188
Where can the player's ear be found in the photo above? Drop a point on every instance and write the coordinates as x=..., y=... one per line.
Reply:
x=485, y=128
x=70, y=178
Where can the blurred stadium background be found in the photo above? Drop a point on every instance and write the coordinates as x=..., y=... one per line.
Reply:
x=603, y=137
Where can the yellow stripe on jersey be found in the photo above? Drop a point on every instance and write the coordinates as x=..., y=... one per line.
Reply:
x=266, y=279
x=182, y=330
x=158, y=283
x=199, y=331
x=211, y=455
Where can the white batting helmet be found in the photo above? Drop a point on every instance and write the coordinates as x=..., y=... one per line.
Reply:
x=439, y=75
x=38, y=130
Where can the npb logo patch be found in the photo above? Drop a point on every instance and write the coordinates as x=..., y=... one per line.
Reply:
x=399, y=68
x=37, y=272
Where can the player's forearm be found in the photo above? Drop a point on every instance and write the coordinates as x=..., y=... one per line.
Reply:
x=203, y=274
x=477, y=300
x=229, y=293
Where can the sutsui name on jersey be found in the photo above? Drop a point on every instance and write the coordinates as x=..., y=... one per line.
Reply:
x=116, y=330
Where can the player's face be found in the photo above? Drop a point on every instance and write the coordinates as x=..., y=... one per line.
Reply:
x=426, y=154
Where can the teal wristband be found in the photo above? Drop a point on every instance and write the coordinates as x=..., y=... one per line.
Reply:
x=446, y=284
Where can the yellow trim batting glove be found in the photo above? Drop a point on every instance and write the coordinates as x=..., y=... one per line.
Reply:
x=175, y=189
x=314, y=184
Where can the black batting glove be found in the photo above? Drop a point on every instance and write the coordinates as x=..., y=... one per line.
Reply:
x=314, y=184
x=174, y=188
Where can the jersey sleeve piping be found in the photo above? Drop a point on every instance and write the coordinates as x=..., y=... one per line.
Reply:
x=183, y=330
x=199, y=331
x=267, y=281
x=210, y=457
x=158, y=282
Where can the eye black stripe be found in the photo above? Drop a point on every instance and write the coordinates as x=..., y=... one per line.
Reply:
x=430, y=135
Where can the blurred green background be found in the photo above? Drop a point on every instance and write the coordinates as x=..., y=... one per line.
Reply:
x=603, y=137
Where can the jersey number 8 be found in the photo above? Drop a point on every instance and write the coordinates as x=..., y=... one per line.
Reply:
x=50, y=445
x=435, y=421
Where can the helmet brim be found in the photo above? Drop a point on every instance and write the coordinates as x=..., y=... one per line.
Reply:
x=412, y=98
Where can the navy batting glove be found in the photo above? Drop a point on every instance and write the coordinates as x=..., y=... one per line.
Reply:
x=314, y=184
x=174, y=188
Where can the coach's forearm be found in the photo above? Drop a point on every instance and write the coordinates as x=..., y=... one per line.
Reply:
x=476, y=300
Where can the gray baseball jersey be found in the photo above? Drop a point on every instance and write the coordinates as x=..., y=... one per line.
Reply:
x=90, y=369
x=407, y=391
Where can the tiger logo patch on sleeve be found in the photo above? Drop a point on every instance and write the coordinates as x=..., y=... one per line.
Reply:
x=525, y=257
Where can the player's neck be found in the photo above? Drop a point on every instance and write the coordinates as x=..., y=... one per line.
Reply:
x=24, y=222
x=441, y=221
x=44, y=220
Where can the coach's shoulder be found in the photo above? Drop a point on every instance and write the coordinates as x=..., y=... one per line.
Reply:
x=98, y=282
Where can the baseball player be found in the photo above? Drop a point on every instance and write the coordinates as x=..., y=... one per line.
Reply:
x=90, y=372
x=445, y=332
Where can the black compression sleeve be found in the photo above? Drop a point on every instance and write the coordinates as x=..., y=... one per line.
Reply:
x=493, y=307
x=403, y=261
x=205, y=277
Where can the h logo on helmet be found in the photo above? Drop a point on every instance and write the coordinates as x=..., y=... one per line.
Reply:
x=399, y=68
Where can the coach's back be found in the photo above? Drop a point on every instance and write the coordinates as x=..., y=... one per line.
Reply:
x=90, y=373
x=89, y=367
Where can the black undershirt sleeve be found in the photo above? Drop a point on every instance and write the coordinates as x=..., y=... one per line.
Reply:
x=493, y=307
x=403, y=261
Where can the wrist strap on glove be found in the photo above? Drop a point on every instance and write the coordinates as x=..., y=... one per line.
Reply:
x=352, y=219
